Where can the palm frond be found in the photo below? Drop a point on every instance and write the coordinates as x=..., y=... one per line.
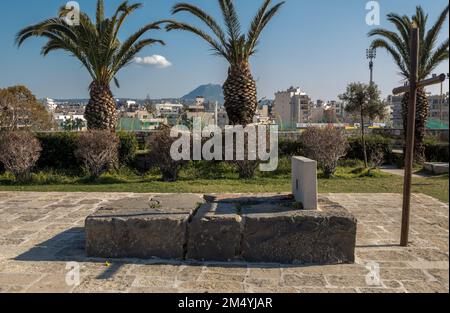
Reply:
x=260, y=21
x=100, y=13
x=230, y=18
x=215, y=45
x=128, y=57
x=432, y=35
x=401, y=23
x=401, y=46
x=204, y=17
x=94, y=43
x=380, y=43
x=128, y=44
x=53, y=24
x=397, y=44
x=229, y=43
x=420, y=18
x=440, y=55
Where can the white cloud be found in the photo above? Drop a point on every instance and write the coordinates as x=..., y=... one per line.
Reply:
x=155, y=60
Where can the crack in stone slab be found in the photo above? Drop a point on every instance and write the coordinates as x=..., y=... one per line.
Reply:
x=187, y=231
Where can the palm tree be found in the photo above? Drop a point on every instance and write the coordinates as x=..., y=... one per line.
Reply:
x=97, y=47
x=236, y=47
x=430, y=56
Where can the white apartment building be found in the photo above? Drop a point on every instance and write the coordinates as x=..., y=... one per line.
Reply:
x=339, y=108
x=199, y=101
x=395, y=104
x=50, y=104
x=291, y=107
x=439, y=107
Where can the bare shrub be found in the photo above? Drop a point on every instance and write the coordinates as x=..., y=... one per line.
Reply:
x=160, y=155
x=376, y=160
x=98, y=150
x=19, y=152
x=326, y=146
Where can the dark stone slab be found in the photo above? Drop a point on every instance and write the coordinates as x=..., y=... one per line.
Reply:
x=141, y=227
x=215, y=233
x=253, y=228
x=278, y=234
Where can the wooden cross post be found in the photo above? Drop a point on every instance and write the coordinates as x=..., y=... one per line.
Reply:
x=414, y=84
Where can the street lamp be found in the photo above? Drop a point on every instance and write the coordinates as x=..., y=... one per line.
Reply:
x=371, y=55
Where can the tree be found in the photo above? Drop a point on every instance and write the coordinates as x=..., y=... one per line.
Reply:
x=236, y=47
x=78, y=124
x=363, y=100
x=149, y=106
x=72, y=124
x=19, y=109
x=97, y=46
x=396, y=43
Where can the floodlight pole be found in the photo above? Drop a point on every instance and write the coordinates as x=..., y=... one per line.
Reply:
x=371, y=54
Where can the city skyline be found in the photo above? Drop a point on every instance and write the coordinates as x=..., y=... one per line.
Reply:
x=300, y=48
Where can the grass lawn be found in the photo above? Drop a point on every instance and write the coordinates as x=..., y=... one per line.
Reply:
x=347, y=180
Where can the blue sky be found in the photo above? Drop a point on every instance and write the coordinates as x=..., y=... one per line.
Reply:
x=318, y=45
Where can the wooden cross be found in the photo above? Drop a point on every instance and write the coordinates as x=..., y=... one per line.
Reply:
x=414, y=84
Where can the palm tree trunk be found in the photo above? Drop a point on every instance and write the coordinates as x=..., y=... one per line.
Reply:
x=101, y=111
x=363, y=139
x=241, y=104
x=240, y=96
x=422, y=110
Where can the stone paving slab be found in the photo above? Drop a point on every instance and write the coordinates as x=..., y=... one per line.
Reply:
x=41, y=232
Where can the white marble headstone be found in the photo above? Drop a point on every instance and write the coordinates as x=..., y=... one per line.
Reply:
x=304, y=182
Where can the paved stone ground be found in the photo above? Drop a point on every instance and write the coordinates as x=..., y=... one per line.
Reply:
x=394, y=170
x=41, y=232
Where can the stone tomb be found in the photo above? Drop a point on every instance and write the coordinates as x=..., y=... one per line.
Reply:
x=141, y=227
x=252, y=228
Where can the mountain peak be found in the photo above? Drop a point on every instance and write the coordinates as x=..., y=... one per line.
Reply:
x=211, y=92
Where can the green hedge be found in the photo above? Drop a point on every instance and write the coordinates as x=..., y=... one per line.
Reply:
x=290, y=147
x=436, y=152
x=128, y=148
x=373, y=143
x=58, y=151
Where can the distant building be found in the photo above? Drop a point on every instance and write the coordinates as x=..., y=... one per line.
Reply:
x=262, y=115
x=291, y=107
x=395, y=104
x=222, y=118
x=50, y=104
x=339, y=108
x=439, y=107
x=198, y=111
x=199, y=101
x=316, y=114
x=169, y=111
